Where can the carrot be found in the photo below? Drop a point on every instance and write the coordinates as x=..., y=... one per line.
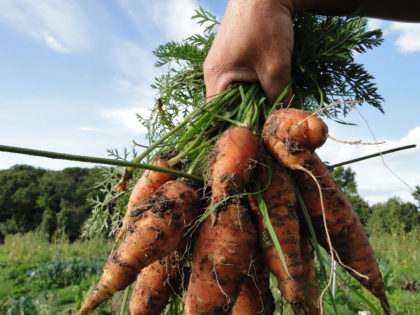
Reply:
x=311, y=294
x=281, y=204
x=146, y=185
x=156, y=282
x=255, y=296
x=292, y=135
x=348, y=237
x=153, y=235
x=234, y=155
x=222, y=256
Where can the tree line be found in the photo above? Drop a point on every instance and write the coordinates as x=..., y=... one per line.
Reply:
x=50, y=201
x=57, y=202
x=394, y=215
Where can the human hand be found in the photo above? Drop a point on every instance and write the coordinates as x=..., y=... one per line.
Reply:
x=254, y=43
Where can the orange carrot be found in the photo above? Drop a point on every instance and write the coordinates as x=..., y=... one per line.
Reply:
x=156, y=282
x=234, y=157
x=346, y=232
x=281, y=204
x=255, y=296
x=292, y=135
x=222, y=257
x=153, y=235
x=146, y=185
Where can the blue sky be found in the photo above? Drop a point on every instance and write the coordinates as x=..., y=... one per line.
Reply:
x=74, y=73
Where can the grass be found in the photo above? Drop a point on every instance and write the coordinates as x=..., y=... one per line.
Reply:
x=64, y=272
x=39, y=277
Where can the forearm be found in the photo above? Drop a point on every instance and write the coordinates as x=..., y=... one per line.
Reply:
x=403, y=10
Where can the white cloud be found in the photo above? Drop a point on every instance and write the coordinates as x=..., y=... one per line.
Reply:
x=171, y=17
x=408, y=36
x=54, y=44
x=61, y=25
x=125, y=118
x=379, y=179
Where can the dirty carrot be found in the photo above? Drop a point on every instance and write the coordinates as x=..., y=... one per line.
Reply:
x=281, y=203
x=222, y=256
x=156, y=232
x=292, y=135
x=156, y=283
x=348, y=238
x=146, y=185
x=255, y=296
x=233, y=160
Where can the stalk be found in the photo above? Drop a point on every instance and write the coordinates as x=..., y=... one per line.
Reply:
x=97, y=160
x=125, y=300
x=411, y=146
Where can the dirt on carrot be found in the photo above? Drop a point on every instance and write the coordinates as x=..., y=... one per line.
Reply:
x=146, y=185
x=348, y=238
x=255, y=296
x=234, y=157
x=281, y=204
x=161, y=224
x=222, y=256
x=156, y=283
x=292, y=135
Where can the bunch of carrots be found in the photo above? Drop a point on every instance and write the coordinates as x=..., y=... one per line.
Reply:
x=254, y=199
x=242, y=222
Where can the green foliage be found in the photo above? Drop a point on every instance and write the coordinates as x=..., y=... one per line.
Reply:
x=416, y=195
x=323, y=64
x=59, y=272
x=40, y=277
x=30, y=198
x=109, y=208
x=393, y=216
x=323, y=68
x=49, y=222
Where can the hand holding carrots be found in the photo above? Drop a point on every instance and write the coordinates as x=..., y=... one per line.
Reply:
x=254, y=43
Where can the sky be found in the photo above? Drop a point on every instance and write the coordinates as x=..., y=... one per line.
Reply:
x=73, y=75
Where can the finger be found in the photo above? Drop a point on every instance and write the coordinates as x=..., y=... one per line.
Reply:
x=218, y=77
x=274, y=78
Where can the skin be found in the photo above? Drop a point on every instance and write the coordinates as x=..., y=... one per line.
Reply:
x=255, y=39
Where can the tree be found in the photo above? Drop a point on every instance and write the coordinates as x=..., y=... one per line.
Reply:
x=30, y=197
x=49, y=222
x=416, y=195
x=18, y=194
x=393, y=215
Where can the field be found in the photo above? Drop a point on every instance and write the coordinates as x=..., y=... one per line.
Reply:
x=39, y=277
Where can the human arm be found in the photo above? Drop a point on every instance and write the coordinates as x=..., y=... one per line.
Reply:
x=255, y=38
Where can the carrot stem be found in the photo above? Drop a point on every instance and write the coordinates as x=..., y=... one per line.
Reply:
x=125, y=299
x=411, y=146
x=91, y=159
